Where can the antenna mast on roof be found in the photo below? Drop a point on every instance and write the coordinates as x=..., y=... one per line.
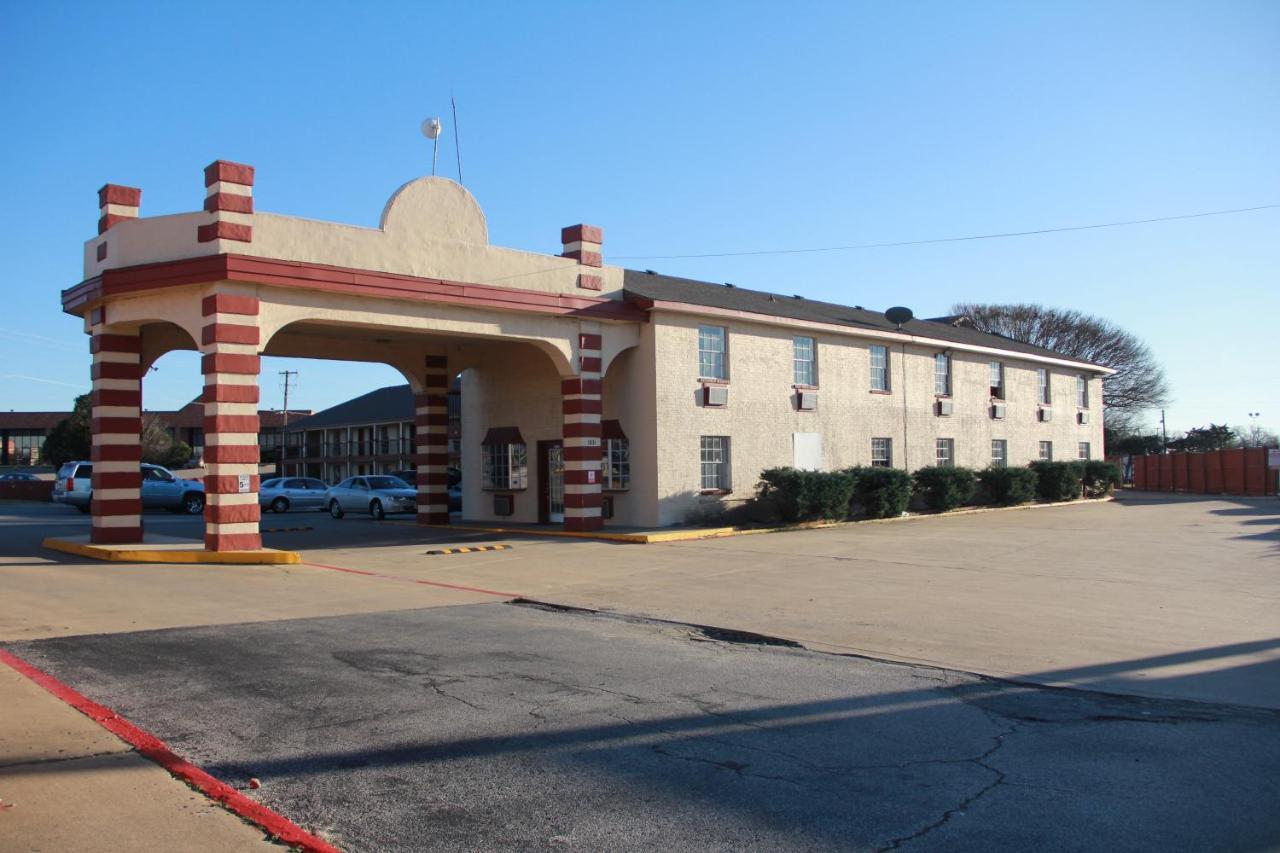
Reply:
x=457, y=147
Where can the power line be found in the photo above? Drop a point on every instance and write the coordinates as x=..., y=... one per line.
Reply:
x=945, y=239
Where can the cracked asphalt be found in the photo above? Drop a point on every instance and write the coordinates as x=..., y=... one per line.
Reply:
x=515, y=726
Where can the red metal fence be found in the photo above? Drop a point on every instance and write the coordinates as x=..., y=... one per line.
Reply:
x=1240, y=471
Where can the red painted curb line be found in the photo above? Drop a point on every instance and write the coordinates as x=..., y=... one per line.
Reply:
x=150, y=746
x=415, y=580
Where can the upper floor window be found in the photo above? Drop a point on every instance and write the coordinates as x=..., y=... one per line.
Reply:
x=1082, y=392
x=711, y=351
x=1042, y=386
x=879, y=368
x=996, y=368
x=805, y=355
x=942, y=374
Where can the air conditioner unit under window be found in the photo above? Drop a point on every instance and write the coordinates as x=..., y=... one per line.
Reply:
x=715, y=395
x=1046, y=415
x=997, y=411
x=945, y=407
x=504, y=504
x=806, y=401
x=1084, y=417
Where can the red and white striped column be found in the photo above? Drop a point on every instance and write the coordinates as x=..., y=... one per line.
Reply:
x=116, y=401
x=582, y=410
x=230, y=363
x=229, y=197
x=431, y=435
x=583, y=243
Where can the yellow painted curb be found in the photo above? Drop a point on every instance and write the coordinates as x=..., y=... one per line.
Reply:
x=267, y=556
x=721, y=532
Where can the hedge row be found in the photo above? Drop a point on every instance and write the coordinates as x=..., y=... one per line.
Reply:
x=790, y=494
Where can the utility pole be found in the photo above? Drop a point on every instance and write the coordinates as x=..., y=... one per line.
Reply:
x=287, y=374
x=1164, y=434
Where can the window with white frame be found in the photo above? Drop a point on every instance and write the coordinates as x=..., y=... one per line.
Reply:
x=999, y=452
x=882, y=453
x=1042, y=386
x=506, y=466
x=805, y=354
x=1082, y=392
x=942, y=374
x=617, y=464
x=996, y=369
x=715, y=463
x=711, y=351
x=1046, y=451
x=944, y=450
x=1082, y=451
x=879, y=368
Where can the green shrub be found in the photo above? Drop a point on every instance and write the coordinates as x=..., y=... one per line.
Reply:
x=784, y=490
x=1058, y=481
x=1008, y=486
x=797, y=495
x=1101, y=478
x=945, y=488
x=881, y=492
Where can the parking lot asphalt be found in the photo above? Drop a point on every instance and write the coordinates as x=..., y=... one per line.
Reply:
x=503, y=726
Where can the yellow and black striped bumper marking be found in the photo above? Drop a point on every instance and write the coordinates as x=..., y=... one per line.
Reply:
x=469, y=549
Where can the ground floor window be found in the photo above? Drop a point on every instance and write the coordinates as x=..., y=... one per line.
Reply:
x=504, y=459
x=882, y=453
x=1046, y=451
x=944, y=450
x=999, y=453
x=1082, y=451
x=715, y=463
x=617, y=464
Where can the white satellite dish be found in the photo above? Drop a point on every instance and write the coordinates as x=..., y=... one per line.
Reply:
x=431, y=128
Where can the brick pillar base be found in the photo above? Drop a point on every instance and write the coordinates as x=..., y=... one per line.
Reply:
x=230, y=363
x=431, y=436
x=582, y=406
x=116, y=401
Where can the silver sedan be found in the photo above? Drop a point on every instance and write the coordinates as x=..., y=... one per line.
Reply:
x=375, y=494
x=285, y=493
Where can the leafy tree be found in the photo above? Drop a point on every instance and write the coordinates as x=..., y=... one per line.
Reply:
x=72, y=437
x=1202, y=439
x=1133, y=444
x=1138, y=383
x=159, y=447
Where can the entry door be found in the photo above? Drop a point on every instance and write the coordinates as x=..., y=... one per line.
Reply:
x=551, y=482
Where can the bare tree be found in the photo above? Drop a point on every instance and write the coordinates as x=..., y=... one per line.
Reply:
x=1138, y=383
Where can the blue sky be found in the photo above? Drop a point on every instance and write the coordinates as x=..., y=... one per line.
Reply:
x=684, y=128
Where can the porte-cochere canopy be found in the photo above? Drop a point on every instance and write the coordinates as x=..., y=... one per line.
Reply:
x=424, y=292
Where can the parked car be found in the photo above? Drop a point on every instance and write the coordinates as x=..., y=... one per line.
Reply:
x=455, y=485
x=282, y=494
x=376, y=494
x=161, y=488
x=17, y=478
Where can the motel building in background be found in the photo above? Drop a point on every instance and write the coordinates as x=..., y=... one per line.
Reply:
x=587, y=394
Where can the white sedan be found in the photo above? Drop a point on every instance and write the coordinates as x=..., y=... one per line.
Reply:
x=376, y=494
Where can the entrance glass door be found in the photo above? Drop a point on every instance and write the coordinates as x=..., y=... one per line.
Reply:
x=555, y=483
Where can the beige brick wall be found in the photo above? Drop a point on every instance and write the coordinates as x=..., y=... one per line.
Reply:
x=761, y=417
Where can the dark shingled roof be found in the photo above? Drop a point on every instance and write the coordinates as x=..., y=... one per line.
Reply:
x=393, y=403
x=690, y=292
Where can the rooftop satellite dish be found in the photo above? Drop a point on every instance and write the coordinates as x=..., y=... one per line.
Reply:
x=898, y=315
x=431, y=128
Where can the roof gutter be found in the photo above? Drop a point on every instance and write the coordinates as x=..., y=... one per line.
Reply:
x=873, y=334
